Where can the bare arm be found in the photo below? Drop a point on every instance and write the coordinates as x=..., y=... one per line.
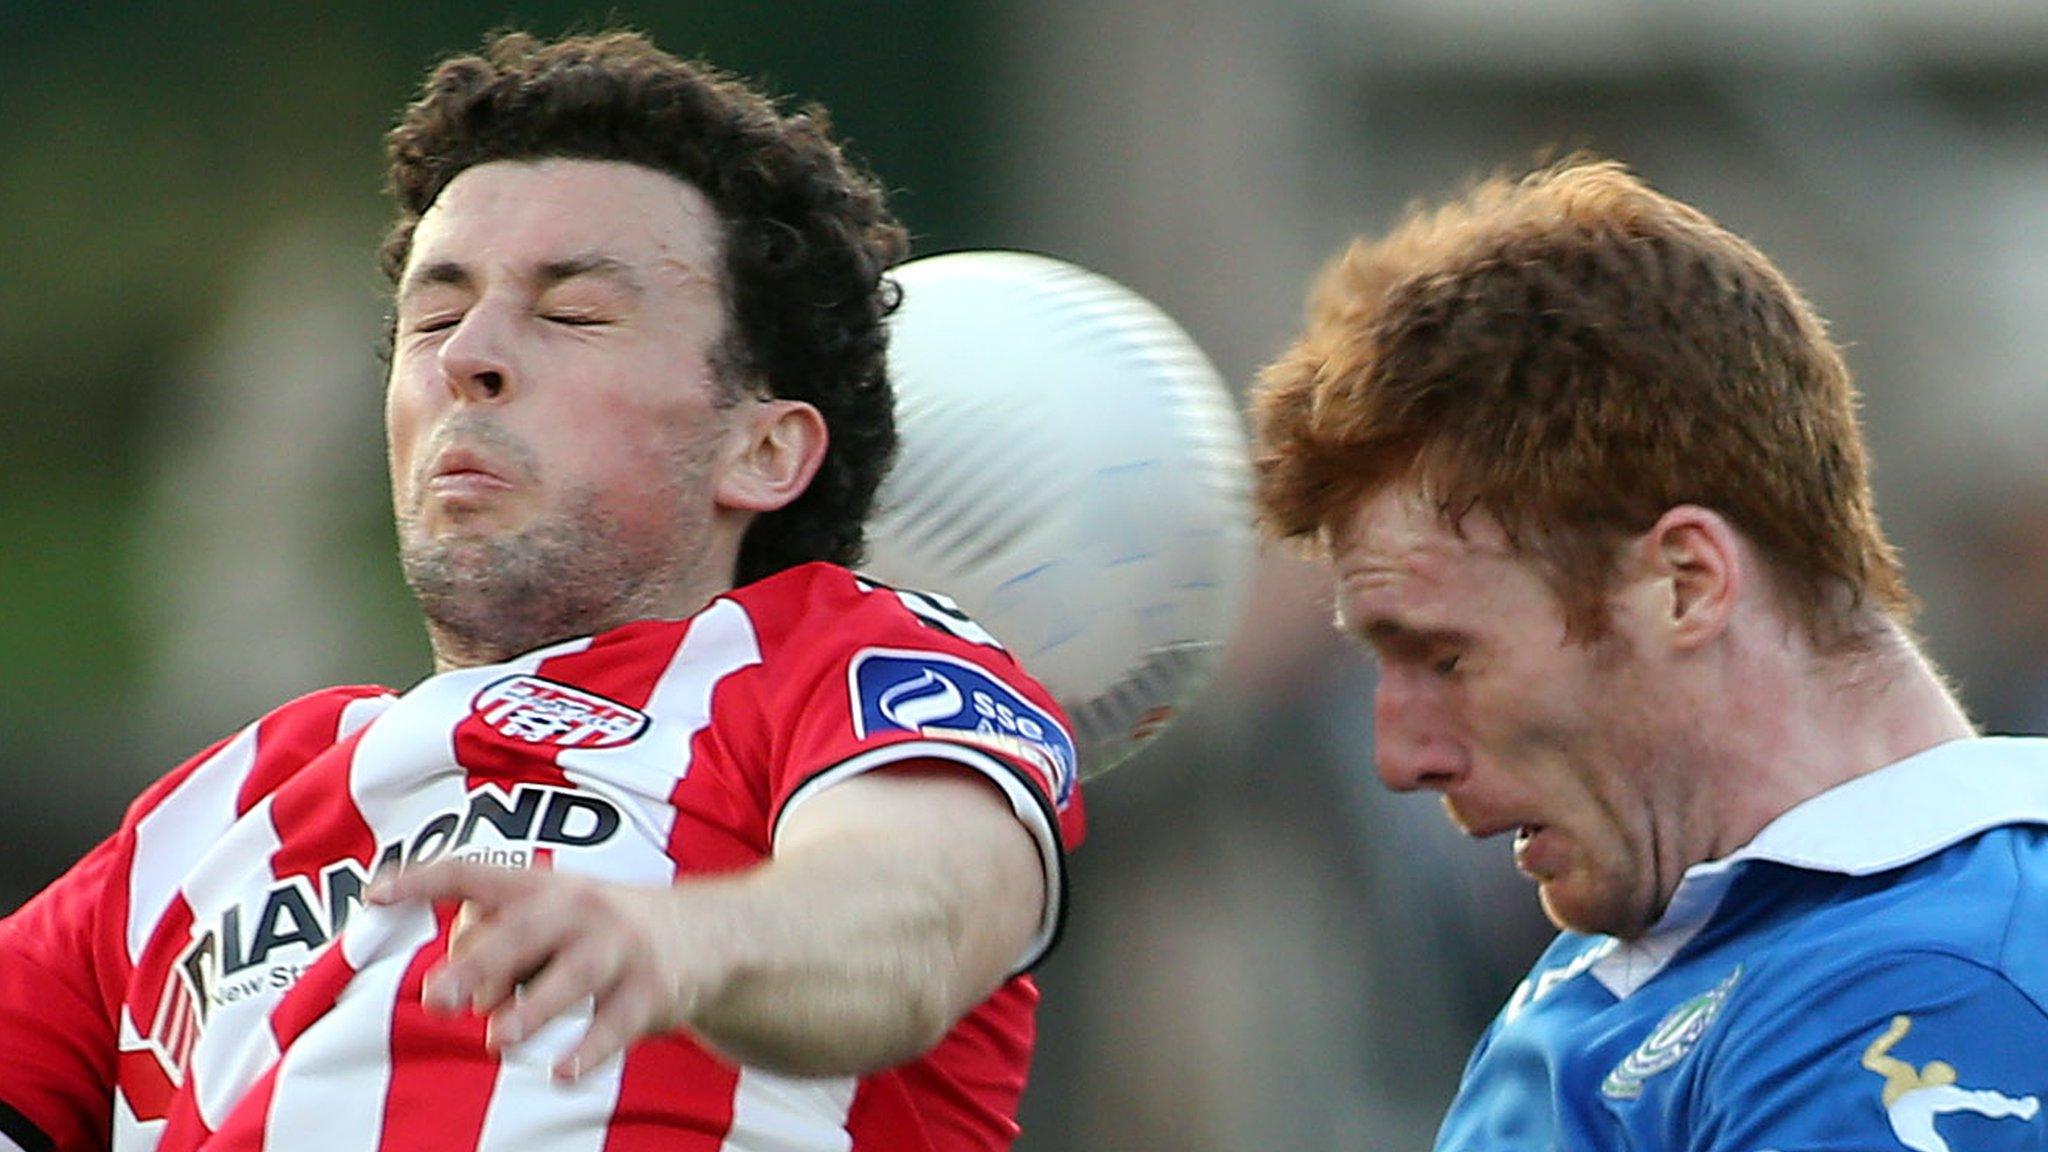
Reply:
x=896, y=901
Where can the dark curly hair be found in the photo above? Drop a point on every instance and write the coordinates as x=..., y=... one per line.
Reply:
x=807, y=234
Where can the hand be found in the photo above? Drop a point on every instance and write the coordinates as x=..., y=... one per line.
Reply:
x=528, y=946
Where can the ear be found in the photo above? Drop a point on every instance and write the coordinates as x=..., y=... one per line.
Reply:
x=773, y=449
x=1696, y=555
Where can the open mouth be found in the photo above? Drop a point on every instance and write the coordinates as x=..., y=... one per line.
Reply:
x=1536, y=855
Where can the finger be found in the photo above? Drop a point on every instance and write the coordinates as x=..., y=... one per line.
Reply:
x=624, y=1015
x=582, y=969
x=446, y=989
x=446, y=881
x=503, y=950
x=469, y=918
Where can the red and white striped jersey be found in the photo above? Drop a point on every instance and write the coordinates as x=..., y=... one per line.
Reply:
x=209, y=977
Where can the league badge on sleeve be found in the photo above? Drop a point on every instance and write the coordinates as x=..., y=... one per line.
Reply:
x=947, y=698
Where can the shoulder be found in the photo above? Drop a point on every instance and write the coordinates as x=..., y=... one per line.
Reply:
x=818, y=594
x=326, y=715
x=1970, y=903
x=1835, y=1055
x=268, y=749
x=822, y=612
x=869, y=662
x=1931, y=961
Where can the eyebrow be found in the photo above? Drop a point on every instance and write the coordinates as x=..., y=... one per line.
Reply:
x=1379, y=631
x=1397, y=633
x=454, y=274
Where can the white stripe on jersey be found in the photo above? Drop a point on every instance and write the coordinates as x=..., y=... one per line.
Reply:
x=179, y=831
x=530, y=1112
x=640, y=776
x=412, y=748
x=359, y=712
x=129, y=1131
x=238, y=1044
x=330, y=1087
x=772, y=1113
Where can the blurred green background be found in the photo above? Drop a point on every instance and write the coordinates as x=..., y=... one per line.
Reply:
x=147, y=154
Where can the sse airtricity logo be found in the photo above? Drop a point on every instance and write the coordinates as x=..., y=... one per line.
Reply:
x=947, y=698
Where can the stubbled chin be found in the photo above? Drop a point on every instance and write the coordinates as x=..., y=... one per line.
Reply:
x=1575, y=904
x=1559, y=905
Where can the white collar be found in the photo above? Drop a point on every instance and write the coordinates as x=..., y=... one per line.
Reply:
x=1905, y=811
x=1909, y=809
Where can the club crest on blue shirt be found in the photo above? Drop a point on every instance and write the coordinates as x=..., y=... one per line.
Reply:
x=1669, y=1041
x=946, y=698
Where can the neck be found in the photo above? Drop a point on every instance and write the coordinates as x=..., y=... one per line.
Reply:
x=503, y=632
x=489, y=600
x=1801, y=723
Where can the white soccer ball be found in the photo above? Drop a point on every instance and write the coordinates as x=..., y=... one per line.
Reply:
x=1074, y=475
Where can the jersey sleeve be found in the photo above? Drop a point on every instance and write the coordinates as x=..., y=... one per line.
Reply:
x=64, y=975
x=68, y=969
x=860, y=676
x=57, y=1032
x=1919, y=1052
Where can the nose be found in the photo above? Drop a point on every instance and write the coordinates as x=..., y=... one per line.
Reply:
x=476, y=359
x=1414, y=739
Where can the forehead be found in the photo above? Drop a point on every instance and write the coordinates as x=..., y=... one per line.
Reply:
x=1400, y=565
x=517, y=211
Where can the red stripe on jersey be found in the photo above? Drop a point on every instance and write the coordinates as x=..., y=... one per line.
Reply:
x=673, y=1097
x=483, y=754
x=145, y=1085
x=317, y=826
x=185, y=1131
x=881, y=1118
x=599, y=669
x=977, y=1073
x=243, y=1129
x=311, y=997
x=441, y=1074
x=289, y=737
x=156, y=989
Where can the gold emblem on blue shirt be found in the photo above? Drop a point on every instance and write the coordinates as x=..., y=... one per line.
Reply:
x=1914, y=1097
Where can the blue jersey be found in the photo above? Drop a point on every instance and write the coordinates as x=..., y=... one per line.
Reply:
x=1870, y=973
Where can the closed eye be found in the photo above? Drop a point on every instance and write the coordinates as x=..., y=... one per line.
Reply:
x=436, y=323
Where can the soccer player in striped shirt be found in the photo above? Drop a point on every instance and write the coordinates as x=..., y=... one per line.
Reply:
x=694, y=839
x=1588, y=472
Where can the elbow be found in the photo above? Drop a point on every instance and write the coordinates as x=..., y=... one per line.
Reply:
x=929, y=998
x=848, y=1024
x=932, y=1005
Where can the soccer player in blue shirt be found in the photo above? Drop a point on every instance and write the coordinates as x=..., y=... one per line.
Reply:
x=1588, y=471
